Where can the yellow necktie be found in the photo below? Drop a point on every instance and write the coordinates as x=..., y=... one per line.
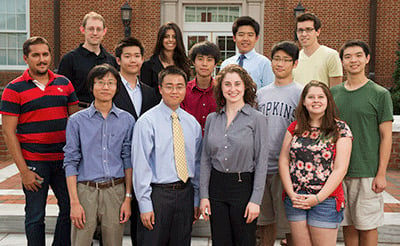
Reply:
x=179, y=148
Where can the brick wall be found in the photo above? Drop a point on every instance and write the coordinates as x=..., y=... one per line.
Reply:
x=341, y=21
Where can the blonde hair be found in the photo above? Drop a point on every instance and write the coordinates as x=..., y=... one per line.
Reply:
x=95, y=16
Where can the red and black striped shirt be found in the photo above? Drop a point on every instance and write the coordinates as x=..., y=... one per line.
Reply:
x=42, y=115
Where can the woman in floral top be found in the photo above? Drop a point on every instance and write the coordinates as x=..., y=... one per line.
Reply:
x=313, y=162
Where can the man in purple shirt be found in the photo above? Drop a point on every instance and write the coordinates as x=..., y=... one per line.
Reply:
x=98, y=162
x=199, y=100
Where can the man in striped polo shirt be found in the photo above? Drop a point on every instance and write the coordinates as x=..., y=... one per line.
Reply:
x=35, y=108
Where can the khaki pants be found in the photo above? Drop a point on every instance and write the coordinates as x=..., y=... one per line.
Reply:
x=103, y=206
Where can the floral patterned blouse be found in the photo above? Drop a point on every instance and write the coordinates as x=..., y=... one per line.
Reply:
x=312, y=157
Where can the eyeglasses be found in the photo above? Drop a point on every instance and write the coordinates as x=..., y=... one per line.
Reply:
x=103, y=83
x=307, y=30
x=170, y=88
x=92, y=29
x=279, y=59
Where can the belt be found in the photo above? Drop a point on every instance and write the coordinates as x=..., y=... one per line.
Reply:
x=179, y=185
x=103, y=184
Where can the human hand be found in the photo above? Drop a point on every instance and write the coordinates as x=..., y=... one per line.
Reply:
x=252, y=211
x=77, y=215
x=196, y=214
x=31, y=180
x=148, y=220
x=125, y=212
x=205, y=208
x=379, y=183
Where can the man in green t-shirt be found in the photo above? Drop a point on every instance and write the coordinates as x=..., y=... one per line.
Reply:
x=368, y=110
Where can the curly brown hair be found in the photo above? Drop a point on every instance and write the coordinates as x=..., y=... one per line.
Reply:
x=249, y=86
x=328, y=126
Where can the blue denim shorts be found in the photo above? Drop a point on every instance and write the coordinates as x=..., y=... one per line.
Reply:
x=323, y=215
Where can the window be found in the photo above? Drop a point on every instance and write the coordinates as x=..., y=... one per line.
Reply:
x=211, y=13
x=14, y=27
x=212, y=23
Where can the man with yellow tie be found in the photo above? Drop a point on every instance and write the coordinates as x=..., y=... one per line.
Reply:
x=166, y=164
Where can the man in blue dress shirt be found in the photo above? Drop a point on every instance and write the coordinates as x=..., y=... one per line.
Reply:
x=168, y=204
x=245, y=34
x=98, y=162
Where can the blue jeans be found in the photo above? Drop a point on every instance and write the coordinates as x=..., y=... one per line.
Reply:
x=322, y=215
x=53, y=175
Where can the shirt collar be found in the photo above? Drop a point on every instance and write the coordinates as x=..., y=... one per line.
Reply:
x=194, y=86
x=92, y=110
x=27, y=77
x=249, y=55
x=246, y=109
x=126, y=83
x=168, y=111
x=87, y=52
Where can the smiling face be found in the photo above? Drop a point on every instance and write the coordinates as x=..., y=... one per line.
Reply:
x=307, y=34
x=233, y=88
x=38, y=59
x=93, y=31
x=315, y=101
x=104, y=88
x=169, y=40
x=173, y=90
x=354, y=60
x=282, y=64
x=131, y=60
x=245, y=39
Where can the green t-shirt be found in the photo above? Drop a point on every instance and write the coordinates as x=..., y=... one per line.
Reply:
x=364, y=110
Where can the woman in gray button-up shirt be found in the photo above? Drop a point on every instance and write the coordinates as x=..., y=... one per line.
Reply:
x=233, y=162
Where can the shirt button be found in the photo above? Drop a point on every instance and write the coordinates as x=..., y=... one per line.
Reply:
x=226, y=135
x=227, y=169
x=226, y=159
x=204, y=104
x=104, y=148
x=204, y=117
x=104, y=161
x=226, y=147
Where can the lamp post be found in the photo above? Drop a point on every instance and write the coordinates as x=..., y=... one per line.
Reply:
x=126, y=16
x=299, y=10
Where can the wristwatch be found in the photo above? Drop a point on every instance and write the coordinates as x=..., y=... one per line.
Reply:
x=128, y=195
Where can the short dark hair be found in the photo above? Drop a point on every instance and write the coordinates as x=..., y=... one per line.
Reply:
x=205, y=48
x=309, y=17
x=352, y=43
x=288, y=47
x=26, y=47
x=245, y=21
x=171, y=70
x=99, y=72
x=128, y=42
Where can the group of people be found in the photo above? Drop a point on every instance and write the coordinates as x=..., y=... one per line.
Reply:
x=121, y=139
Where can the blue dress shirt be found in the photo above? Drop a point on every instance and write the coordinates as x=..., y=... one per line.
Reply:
x=257, y=65
x=153, y=152
x=98, y=149
x=135, y=94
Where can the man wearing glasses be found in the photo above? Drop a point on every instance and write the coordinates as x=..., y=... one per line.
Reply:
x=316, y=62
x=277, y=101
x=98, y=162
x=166, y=160
x=76, y=64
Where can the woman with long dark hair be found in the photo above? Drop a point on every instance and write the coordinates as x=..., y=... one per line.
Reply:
x=233, y=163
x=314, y=159
x=169, y=51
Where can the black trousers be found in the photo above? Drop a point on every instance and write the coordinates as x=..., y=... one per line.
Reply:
x=174, y=213
x=134, y=219
x=228, y=200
